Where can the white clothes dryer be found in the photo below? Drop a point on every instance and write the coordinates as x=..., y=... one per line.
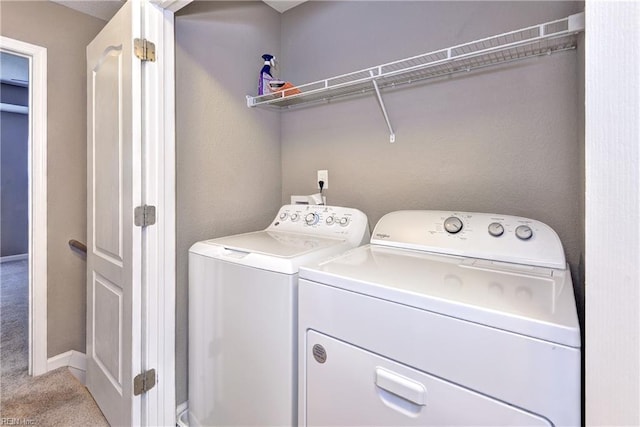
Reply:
x=446, y=318
x=243, y=314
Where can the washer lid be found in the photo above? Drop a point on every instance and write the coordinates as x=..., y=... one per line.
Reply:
x=271, y=250
x=275, y=243
x=532, y=301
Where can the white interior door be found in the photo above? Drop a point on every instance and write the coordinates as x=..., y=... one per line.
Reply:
x=114, y=189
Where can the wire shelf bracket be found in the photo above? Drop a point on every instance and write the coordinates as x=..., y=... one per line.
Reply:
x=538, y=40
x=392, y=135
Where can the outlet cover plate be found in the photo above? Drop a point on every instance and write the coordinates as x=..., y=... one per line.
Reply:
x=323, y=175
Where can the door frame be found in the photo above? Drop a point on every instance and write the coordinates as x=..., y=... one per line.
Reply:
x=159, y=257
x=612, y=248
x=37, y=165
x=159, y=240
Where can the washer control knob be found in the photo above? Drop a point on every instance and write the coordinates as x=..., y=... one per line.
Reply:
x=495, y=229
x=330, y=220
x=295, y=217
x=452, y=224
x=283, y=216
x=524, y=232
x=311, y=218
x=344, y=221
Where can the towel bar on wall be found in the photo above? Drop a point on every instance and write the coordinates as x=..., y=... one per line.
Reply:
x=78, y=245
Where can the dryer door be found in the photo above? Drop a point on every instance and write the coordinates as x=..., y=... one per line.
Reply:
x=346, y=385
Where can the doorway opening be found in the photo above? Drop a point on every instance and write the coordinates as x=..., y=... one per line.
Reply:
x=14, y=214
x=24, y=143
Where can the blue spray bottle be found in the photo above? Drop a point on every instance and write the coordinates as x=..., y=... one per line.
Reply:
x=265, y=74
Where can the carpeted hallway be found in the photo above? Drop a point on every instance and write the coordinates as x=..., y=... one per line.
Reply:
x=56, y=398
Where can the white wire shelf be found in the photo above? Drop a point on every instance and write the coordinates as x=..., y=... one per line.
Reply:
x=542, y=39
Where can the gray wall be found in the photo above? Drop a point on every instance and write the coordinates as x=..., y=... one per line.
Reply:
x=228, y=157
x=504, y=140
x=65, y=33
x=14, y=184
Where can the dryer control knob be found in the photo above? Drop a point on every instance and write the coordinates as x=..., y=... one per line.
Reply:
x=295, y=217
x=330, y=220
x=453, y=224
x=495, y=229
x=283, y=216
x=311, y=218
x=344, y=221
x=524, y=232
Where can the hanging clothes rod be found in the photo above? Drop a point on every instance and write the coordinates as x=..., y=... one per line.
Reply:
x=78, y=245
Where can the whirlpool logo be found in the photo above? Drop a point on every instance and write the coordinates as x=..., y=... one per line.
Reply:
x=382, y=236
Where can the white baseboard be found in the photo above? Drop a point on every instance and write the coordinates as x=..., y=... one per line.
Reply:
x=18, y=257
x=74, y=360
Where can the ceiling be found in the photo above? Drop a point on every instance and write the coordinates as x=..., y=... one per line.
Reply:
x=105, y=9
x=102, y=9
x=283, y=5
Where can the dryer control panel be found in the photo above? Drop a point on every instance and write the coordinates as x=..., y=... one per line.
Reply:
x=329, y=221
x=494, y=237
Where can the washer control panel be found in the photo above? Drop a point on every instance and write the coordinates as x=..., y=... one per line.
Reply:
x=330, y=221
x=495, y=237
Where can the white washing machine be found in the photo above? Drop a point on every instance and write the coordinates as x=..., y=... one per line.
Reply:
x=243, y=314
x=446, y=318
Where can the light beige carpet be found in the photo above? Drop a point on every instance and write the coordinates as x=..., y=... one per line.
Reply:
x=56, y=398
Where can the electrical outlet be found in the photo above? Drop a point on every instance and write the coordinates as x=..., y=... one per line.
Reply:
x=323, y=176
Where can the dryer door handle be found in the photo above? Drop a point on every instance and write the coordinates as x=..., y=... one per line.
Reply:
x=401, y=386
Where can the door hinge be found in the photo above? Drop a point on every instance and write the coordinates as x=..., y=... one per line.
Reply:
x=144, y=215
x=144, y=382
x=144, y=50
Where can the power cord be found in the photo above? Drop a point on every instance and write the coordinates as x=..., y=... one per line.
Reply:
x=321, y=185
